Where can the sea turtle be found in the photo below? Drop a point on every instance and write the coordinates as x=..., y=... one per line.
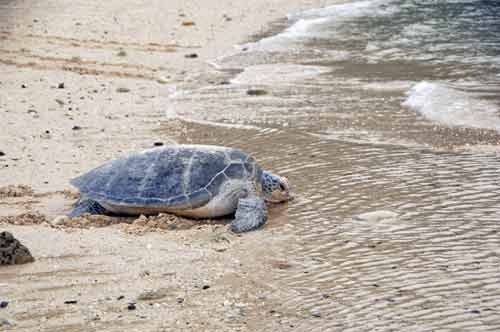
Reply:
x=198, y=181
x=12, y=251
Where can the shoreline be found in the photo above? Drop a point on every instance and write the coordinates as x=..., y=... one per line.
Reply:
x=86, y=83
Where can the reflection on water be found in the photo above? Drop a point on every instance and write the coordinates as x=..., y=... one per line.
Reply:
x=376, y=106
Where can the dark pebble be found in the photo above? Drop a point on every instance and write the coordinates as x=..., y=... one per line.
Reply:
x=256, y=92
x=2, y=153
x=475, y=311
x=131, y=306
x=23, y=86
x=71, y=302
x=123, y=90
x=224, y=83
x=76, y=128
x=121, y=297
x=60, y=86
x=158, y=143
x=180, y=300
x=4, y=304
x=191, y=56
x=205, y=287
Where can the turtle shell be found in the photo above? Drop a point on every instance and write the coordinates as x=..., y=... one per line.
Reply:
x=177, y=177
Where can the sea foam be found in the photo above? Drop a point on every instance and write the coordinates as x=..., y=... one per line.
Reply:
x=452, y=107
x=317, y=23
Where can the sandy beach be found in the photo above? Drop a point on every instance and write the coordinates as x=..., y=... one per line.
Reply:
x=87, y=81
x=383, y=115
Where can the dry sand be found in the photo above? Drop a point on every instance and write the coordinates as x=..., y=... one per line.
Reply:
x=82, y=82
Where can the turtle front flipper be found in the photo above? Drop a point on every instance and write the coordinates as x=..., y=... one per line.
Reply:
x=250, y=214
x=86, y=206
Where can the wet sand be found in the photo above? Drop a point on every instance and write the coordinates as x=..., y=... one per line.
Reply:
x=84, y=83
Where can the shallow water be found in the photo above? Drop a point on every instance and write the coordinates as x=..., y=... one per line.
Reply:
x=375, y=106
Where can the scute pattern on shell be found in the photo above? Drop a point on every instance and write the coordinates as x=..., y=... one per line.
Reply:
x=183, y=176
x=12, y=251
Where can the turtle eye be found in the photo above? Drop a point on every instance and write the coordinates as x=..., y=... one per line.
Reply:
x=282, y=187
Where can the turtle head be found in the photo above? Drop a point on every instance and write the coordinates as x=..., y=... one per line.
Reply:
x=276, y=188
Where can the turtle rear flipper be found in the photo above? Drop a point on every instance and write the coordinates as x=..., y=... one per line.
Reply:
x=86, y=206
x=250, y=214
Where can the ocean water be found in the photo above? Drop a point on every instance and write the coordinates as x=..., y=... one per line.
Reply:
x=385, y=117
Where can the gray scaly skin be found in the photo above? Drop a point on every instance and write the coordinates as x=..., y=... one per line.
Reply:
x=250, y=214
x=189, y=180
x=12, y=251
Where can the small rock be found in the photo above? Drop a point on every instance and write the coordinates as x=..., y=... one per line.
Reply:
x=188, y=23
x=256, y=92
x=131, y=306
x=60, y=86
x=316, y=313
x=4, y=304
x=205, y=287
x=180, y=300
x=153, y=294
x=76, y=128
x=122, y=53
x=162, y=80
x=60, y=220
x=24, y=86
x=13, y=252
x=475, y=311
x=191, y=56
x=122, y=90
x=71, y=302
x=144, y=274
x=121, y=297
x=5, y=323
x=158, y=143
x=2, y=153
x=60, y=102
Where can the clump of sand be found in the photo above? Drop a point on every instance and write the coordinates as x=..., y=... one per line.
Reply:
x=30, y=218
x=138, y=226
x=15, y=191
